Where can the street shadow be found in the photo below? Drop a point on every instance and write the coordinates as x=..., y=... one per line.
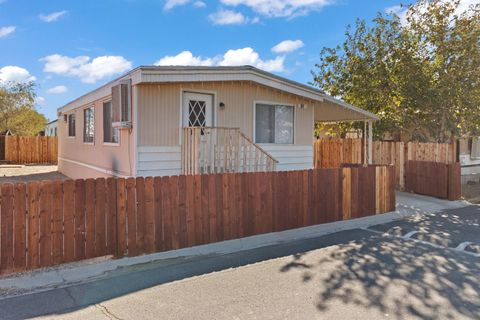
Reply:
x=398, y=277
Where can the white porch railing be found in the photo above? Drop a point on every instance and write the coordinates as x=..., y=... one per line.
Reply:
x=219, y=149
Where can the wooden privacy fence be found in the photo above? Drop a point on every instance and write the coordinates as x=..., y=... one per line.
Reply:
x=435, y=179
x=329, y=153
x=332, y=153
x=53, y=222
x=29, y=150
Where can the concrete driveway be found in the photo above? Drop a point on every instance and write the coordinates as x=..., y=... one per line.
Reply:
x=424, y=267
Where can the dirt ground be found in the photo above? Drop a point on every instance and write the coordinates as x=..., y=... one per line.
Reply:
x=23, y=173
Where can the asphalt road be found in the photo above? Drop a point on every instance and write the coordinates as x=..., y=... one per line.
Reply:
x=420, y=268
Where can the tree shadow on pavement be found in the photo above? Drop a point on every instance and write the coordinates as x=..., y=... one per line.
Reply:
x=402, y=278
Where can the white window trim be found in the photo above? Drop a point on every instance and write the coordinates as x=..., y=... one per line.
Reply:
x=83, y=127
x=255, y=102
x=108, y=144
x=112, y=144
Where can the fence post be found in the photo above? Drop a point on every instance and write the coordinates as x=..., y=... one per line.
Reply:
x=454, y=181
x=347, y=193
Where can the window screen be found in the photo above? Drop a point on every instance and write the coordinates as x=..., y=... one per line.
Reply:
x=274, y=124
x=88, y=125
x=71, y=125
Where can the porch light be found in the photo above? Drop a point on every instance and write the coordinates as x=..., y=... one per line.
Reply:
x=221, y=105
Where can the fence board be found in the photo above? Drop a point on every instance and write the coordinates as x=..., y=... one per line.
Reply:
x=174, y=213
x=182, y=210
x=79, y=219
x=111, y=215
x=454, y=181
x=166, y=214
x=19, y=224
x=33, y=225
x=90, y=218
x=140, y=221
x=57, y=222
x=190, y=210
x=45, y=204
x=149, y=245
x=69, y=220
x=131, y=206
x=6, y=229
x=157, y=190
x=100, y=215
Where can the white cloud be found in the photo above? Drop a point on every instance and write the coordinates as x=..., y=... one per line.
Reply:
x=224, y=17
x=280, y=8
x=199, y=4
x=57, y=90
x=184, y=58
x=5, y=31
x=54, y=16
x=287, y=46
x=233, y=57
x=248, y=56
x=40, y=101
x=169, y=4
x=15, y=74
x=83, y=67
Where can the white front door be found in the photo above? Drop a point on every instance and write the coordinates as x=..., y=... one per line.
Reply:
x=197, y=109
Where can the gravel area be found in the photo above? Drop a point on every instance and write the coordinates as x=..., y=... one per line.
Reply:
x=24, y=173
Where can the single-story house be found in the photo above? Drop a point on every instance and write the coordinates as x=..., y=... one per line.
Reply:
x=157, y=121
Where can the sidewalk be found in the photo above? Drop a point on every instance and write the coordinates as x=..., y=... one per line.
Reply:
x=91, y=270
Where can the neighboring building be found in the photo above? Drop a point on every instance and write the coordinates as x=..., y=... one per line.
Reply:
x=52, y=128
x=6, y=132
x=135, y=125
x=469, y=157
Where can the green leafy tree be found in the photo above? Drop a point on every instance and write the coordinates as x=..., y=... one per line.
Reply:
x=419, y=73
x=17, y=109
x=27, y=122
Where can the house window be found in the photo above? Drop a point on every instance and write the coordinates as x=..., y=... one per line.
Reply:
x=88, y=125
x=110, y=134
x=273, y=123
x=71, y=125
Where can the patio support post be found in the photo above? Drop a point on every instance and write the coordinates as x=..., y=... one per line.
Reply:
x=365, y=142
x=370, y=142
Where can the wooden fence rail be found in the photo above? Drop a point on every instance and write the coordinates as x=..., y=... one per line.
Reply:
x=330, y=153
x=52, y=222
x=435, y=179
x=30, y=150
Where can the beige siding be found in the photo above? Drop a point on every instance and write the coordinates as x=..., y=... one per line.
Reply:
x=160, y=111
x=80, y=160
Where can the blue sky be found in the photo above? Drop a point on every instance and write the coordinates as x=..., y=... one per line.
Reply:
x=71, y=47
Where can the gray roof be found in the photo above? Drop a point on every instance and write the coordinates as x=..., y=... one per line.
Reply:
x=234, y=69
